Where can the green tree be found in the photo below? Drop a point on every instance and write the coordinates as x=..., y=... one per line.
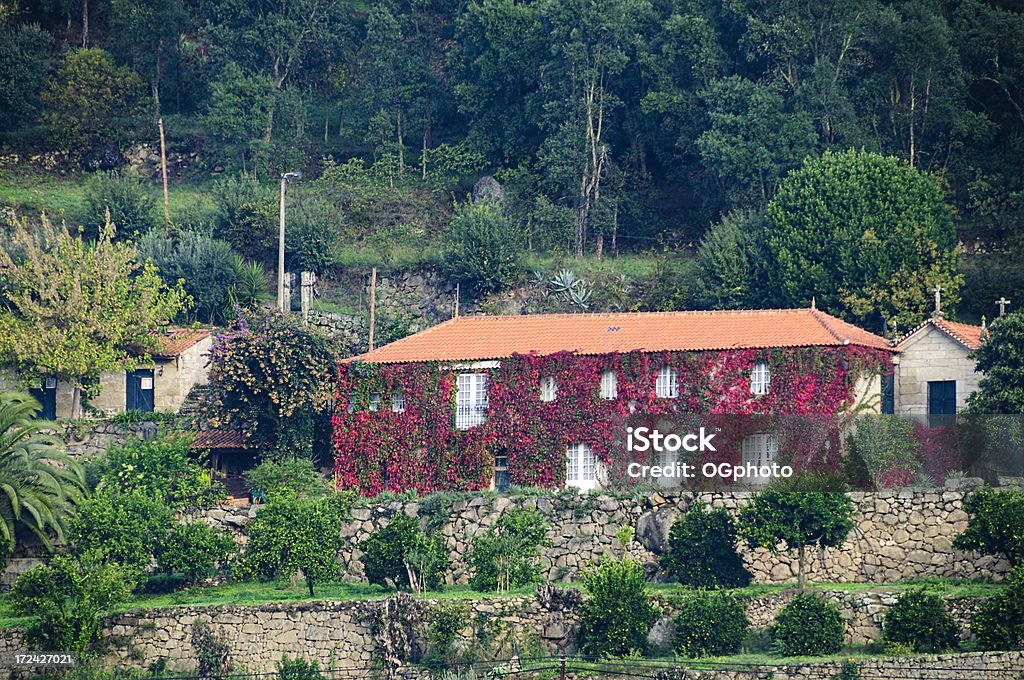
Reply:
x=505, y=556
x=796, y=519
x=297, y=477
x=919, y=619
x=124, y=200
x=40, y=484
x=1000, y=360
x=999, y=621
x=196, y=550
x=127, y=529
x=866, y=235
x=615, y=619
x=401, y=555
x=24, y=54
x=205, y=266
x=730, y=275
x=809, y=626
x=484, y=248
x=66, y=599
x=996, y=524
x=89, y=100
x=240, y=106
x=270, y=377
x=162, y=467
x=292, y=535
x=702, y=550
x=75, y=309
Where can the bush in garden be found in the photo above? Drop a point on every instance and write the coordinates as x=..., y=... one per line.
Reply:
x=212, y=652
x=292, y=535
x=710, y=624
x=163, y=468
x=126, y=529
x=809, y=626
x=999, y=621
x=702, y=550
x=296, y=477
x=615, y=619
x=131, y=204
x=996, y=525
x=298, y=669
x=920, y=620
x=505, y=556
x=484, y=248
x=401, y=555
x=195, y=550
x=66, y=598
x=204, y=264
x=446, y=622
x=886, y=443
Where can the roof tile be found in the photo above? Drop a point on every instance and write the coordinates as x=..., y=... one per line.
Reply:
x=471, y=338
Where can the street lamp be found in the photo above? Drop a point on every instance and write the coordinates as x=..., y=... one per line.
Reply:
x=281, y=302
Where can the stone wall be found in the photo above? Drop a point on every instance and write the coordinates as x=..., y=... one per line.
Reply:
x=899, y=534
x=351, y=635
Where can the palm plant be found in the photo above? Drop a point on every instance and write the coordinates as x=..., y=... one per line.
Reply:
x=39, y=483
x=250, y=286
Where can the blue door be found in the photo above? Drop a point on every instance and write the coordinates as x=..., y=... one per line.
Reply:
x=941, y=402
x=139, y=390
x=46, y=395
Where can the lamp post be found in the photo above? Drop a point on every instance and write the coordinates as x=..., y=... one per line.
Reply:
x=281, y=302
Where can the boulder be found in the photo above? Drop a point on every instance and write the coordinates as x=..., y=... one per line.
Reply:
x=652, y=529
x=489, y=190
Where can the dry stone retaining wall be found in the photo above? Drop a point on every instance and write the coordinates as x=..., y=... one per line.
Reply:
x=899, y=534
x=343, y=635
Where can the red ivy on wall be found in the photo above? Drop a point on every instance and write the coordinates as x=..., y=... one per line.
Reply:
x=377, y=448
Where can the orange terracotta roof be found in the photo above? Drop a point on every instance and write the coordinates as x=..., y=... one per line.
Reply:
x=177, y=340
x=219, y=439
x=471, y=338
x=967, y=335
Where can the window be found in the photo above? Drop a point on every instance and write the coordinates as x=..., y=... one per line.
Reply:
x=501, y=478
x=609, y=385
x=398, y=402
x=580, y=467
x=470, y=400
x=760, y=378
x=667, y=385
x=548, y=389
x=758, y=450
x=889, y=394
x=375, y=401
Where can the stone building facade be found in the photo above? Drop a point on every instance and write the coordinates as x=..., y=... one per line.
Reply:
x=934, y=374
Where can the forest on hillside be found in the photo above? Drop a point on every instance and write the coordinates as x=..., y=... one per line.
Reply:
x=614, y=126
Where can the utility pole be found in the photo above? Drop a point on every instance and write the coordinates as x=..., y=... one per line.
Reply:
x=373, y=303
x=282, y=304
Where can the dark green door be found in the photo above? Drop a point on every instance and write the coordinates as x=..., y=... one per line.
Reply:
x=46, y=395
x=139, y=386
x=941, y=402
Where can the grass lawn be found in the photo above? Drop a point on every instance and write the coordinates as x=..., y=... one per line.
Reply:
x=940, y=586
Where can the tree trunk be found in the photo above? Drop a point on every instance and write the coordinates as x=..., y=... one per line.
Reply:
x=85, y=23
x=76, y=402
x=801, y=556
x=401, y=146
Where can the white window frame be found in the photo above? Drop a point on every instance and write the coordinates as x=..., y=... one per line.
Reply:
x=609, y=385
x=374, y=405
x=580, y=466
x=667, y=384
x=398, y=402
x=759, y=449
x=760, y=378
x=470, y=400
x=548, y=388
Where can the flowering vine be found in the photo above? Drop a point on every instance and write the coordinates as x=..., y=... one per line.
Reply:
x=394, y=423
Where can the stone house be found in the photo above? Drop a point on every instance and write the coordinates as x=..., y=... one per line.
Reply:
x=934, y=374
x=178, y=364
x=544, y=400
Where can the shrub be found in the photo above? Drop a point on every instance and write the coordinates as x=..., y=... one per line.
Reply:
x=130, y=202
x=292, y=535
x=126, y=529
x=615, y=619
x=885, y=443
x=163, y=468
x=796, y=520
x=298, y=669
x=996, y=524
x=400, y=555
x=196, y=550
x=808, y=626
x=484, y=248
x=702, y=550
x=204, y=264
x=710, y=625
x=505, y=556
x=295, y=477
x=446, y=622
x=920, y=619
x=66, y=597
x=212, y=652
x=999, y=622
